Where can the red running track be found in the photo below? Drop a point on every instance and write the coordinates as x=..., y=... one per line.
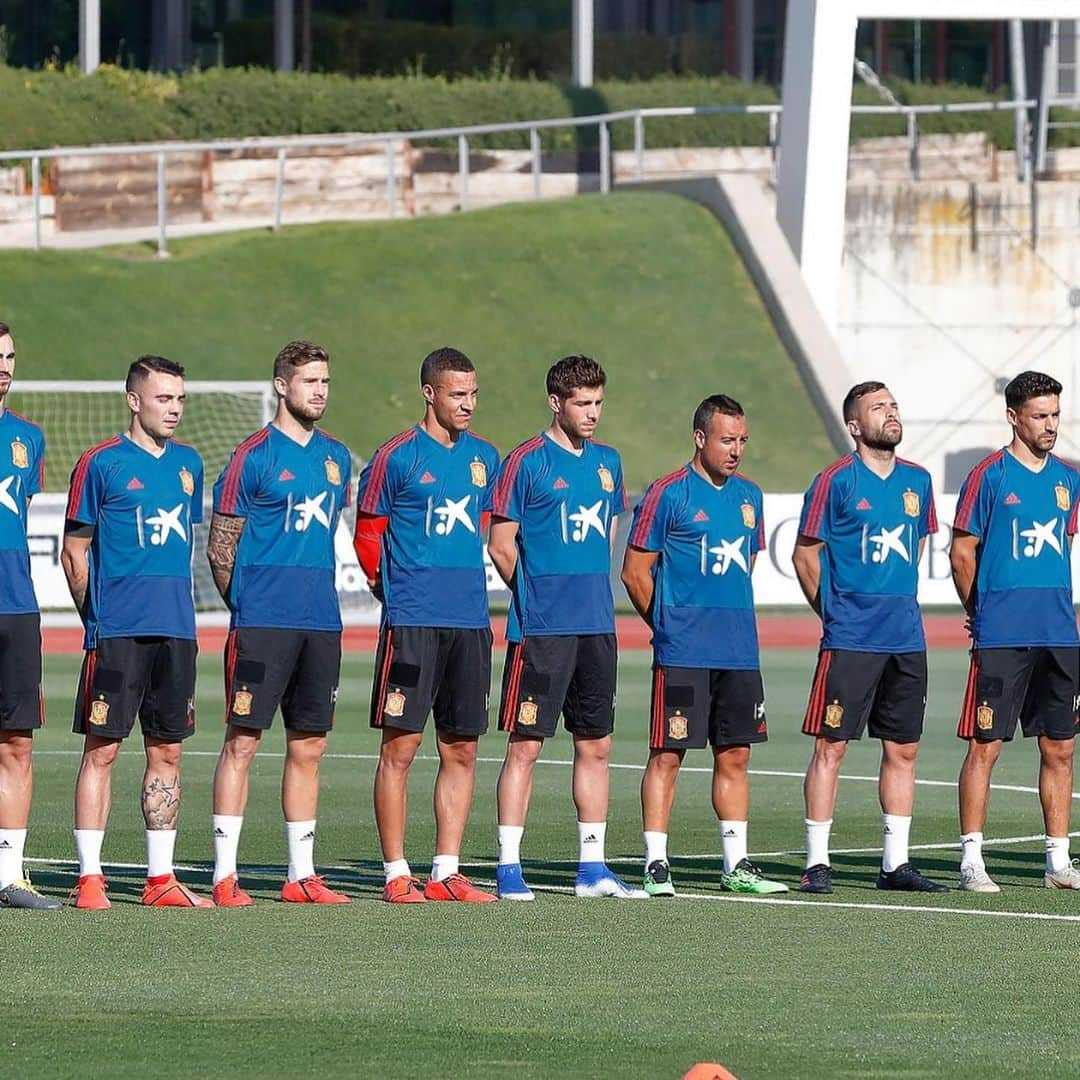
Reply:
x=774, y=631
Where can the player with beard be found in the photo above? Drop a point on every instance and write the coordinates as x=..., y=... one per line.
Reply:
x=863, y=528
x=271, y=550
x=1012, y=539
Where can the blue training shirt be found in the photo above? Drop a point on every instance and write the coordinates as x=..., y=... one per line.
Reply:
x=433, y=547
x=291, y=497
x=1023, y=581
x=142, y=509
x=869, y=566
x=22, y=475
x=706, y=537
x=564, y=504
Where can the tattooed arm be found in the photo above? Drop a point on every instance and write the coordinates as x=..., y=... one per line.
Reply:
x=73, y=558
x=225, y=533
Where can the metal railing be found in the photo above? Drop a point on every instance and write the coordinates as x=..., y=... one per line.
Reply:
x=392, y=139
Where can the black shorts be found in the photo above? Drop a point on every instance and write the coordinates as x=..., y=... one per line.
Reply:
x=692, y=707
x=432, y=669
x=268, y=666
x=573, y=675
x=883, y=692
x=1037, y=686
x=152, y=678
x=21, y=703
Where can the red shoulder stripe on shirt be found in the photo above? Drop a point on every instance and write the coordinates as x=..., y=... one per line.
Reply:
x=370, y=502
x=821, y=496
x=962, y=519
x=230, y=488
x=78, y=477
x=510, y=471
x=640, y=535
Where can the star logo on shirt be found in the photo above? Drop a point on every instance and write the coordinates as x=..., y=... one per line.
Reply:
x=729, y=552
x=1039, y=536
x=6, y=500
x=164, y=524
x=585, y=520
x=887, y=541
x=311, y=509
x=451, y=513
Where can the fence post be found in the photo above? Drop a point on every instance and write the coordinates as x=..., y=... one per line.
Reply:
x=774, y=125
x=463, y=170
x=391, y=180
x=279, y=188
x=162, y=248
x=537, y=163
x=639, y=145
x=913, y=145
x=605, y=158
x=35, y=180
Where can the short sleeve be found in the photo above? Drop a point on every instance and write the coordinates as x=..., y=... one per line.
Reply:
x=1071, y=525
x=652, y=519
x=757, y=540
x=346, y=477
x=491, y=466
x=87, y=491
x=512, y=489
x=622, y=503
x=197, y=494
x=380, y=481
x=928, y=522
x=816, y=517
x=238, y=484
x=35, y=476
x=974, y=503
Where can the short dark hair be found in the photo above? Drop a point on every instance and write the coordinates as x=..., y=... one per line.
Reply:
x=859, y=390
x=142, y=367
x=297, y=354
x=713, y=404
x=574, y=373
x=1028, y=385
x=442, y=360
x=4, y=329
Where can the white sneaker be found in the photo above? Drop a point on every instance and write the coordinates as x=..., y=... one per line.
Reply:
x=976, y=879
x=1069, y=878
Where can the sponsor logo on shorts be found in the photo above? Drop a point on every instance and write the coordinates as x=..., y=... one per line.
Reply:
x=19, y=457
x=1062, y=494
x=677, y=726
x=241, y=705
x=527, y=713
x=984, y=717
x=395, y=703
x=607, y=482
x=187, y=482
x=911, y=503
x=834, y=713
x=333, y=473
x=749, y=518
x=478, y=472
x=99, y=712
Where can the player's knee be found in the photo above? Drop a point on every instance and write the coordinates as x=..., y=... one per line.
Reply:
x=902, y=754
x=1057, y=752
x=307, y=750
x=240, y=749
x=103, y=754
x=398, y=753
x=164, y=757
x=830, y=752
x=596, y=751
x=984, y=753
x=15, y=753
x=524, y=752
x=460, y=752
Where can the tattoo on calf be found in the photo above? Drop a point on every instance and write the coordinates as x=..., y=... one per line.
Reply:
x=161, y=802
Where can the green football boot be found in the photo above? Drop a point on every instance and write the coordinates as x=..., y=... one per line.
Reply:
x=658, y=879
x=747, y=878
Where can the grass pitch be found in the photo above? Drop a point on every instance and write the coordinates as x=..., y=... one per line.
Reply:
x=858, y=984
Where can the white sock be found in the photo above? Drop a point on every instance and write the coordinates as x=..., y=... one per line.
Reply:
x=1057, y=854
x=895, y=830
x=12, y=842
x=396, y=868
x=88, y=844
x=655, y=847
x=300, y=841
x=733, y=838
x=817, y=842
x=442, y=866
x=591, y=836
x=510, y=844
x=226, y=842
x=971, y=850
x=160, y=844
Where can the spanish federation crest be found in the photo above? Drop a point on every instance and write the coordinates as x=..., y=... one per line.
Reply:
x=333, y=473
x=21, y=460
x=187, y=482
x=834, y=713
x=241, y=705
x=749, y=518
x=607, y=481
x=984, y=717
x=395, y=703
x=1062, y=494
x=527, y=713
x=911, y=503
x=677, y=727
x=99, y=712
x=478, y=472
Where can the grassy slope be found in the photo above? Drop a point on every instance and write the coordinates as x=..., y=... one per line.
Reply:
x=649, y=284
x=561, y=988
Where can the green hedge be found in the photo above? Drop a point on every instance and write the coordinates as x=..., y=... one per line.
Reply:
x=60, y=107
